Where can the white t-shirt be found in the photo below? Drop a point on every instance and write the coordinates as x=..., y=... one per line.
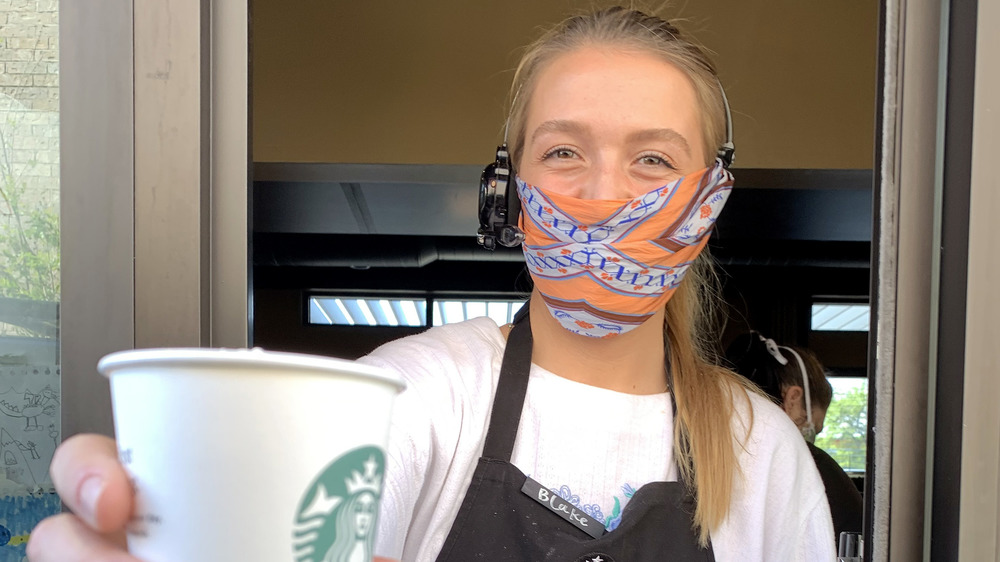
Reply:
x=593, y=446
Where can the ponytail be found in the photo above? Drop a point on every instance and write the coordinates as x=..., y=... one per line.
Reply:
x=704, y=443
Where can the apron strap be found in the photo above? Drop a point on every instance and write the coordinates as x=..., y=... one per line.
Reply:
x=511, y=389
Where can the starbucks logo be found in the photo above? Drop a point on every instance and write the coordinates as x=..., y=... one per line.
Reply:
x=335, y=520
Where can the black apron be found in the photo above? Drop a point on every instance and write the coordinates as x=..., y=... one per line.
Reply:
x=499, y=522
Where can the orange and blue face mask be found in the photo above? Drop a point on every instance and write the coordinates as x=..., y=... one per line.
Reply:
x=605, y=266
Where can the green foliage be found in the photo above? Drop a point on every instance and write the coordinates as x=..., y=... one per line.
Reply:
x=845, y=429
x=29, y=234
x=31, y=262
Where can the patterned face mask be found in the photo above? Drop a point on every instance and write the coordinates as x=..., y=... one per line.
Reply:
x=605, y=266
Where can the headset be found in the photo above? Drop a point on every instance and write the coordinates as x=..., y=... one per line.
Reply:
x=809, y=430
x=499, y=205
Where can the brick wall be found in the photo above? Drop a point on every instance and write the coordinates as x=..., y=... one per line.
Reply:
x=29, y=98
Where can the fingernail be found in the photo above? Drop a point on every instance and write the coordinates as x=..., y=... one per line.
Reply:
x=90, y=491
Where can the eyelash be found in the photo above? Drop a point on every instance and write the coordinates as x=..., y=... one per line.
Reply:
x=662, y=161
x=556, y=150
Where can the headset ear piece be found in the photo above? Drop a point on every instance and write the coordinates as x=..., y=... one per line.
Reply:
x=727, y=153
x=498, y=204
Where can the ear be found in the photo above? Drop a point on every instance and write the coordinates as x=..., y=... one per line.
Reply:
x=792, y=399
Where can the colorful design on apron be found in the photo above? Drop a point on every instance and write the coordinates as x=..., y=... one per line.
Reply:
x=500, y=523
x=594, y=510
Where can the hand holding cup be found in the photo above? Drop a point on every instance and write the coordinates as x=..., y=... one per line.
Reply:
x=226, y=455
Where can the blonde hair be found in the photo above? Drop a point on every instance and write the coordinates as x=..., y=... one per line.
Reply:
x=621, y=28
x=704, y=444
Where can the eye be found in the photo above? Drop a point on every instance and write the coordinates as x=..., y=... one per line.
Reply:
x=653, y=159
x=559, y=153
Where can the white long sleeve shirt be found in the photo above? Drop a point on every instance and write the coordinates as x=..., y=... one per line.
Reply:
x=593, y=446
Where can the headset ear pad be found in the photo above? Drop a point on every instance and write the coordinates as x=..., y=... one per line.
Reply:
x=494, y=188
x=487, y=186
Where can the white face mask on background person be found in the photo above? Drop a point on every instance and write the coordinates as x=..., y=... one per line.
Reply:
x=808, y=432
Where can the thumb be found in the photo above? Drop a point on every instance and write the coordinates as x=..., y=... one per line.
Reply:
x=92, y=483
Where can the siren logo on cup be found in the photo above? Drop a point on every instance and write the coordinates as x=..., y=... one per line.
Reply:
x=335, y=521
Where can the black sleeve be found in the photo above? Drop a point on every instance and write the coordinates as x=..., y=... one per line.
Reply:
x=846, y=505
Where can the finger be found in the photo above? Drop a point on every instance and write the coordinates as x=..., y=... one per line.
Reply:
x=65, y=538
x=90, y=480
x=380, y=559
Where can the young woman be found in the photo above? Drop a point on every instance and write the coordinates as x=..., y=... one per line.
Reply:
x=595, y=429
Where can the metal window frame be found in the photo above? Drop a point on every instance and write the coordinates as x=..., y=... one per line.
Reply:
x=155, y=182
x=900, y=339
x=957, y=91
x=96, y=177
x=933, y=495
x=978, y=535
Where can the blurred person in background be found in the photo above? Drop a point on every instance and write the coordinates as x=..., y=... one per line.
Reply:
x=795, y=379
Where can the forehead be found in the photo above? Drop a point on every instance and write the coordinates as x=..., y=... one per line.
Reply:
x=628, y=88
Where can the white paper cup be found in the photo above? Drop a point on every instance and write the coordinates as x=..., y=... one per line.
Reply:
x=248, y=455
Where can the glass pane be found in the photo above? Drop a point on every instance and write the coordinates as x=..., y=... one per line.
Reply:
x=475, y=309
x=352, y=311
x=845, y=428
x=373, y=311
x=840, y=317
x=30, y=423
x=501, y=311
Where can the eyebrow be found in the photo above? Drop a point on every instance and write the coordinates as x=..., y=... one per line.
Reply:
x=666, y=135
x=560, y=126
x=575, y=127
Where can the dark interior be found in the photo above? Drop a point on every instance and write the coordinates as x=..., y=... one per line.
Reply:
x=786, y=237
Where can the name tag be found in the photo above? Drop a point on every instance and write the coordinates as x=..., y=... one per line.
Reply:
x=563, y=508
